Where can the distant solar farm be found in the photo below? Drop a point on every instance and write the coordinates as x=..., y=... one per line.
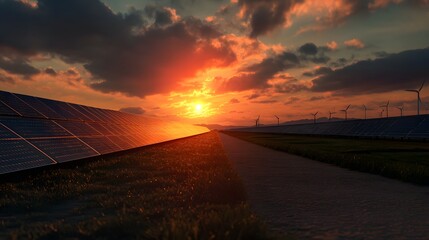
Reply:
x=36, y=132
x=407, y=127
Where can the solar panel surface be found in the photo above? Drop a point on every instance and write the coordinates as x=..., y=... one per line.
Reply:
x=36, y=132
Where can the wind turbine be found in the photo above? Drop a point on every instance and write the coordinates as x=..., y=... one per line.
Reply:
x=418, y=96
x=381, y=113
x=401, y=108
x=278, y=120
x=330, y=114
x=365, y=108
x=257, y=121
x=387, y=108
x=314, y=116
x=345, y=111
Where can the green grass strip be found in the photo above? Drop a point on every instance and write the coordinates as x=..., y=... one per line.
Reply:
x=406, y=161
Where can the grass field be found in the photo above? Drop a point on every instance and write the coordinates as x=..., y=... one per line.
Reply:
x=183, y=189
x=406, y=161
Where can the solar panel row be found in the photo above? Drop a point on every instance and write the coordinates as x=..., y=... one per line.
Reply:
x=36, y=132
x=409, y=127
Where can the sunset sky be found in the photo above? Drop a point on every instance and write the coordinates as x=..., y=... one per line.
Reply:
x=219, y=61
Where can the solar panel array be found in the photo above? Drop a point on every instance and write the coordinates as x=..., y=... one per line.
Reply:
x=37, y=132
x=409, y=127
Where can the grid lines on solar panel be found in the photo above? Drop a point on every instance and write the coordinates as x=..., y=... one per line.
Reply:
x=102, y=144
x=61, y=108
x=33, y=128
x=6, y=133
x=84, y=114
x=5, y=110
x=40, y=106
x=18, y=105
x=78, y=128
x=19, y=155
x=64, y=149
x=100, y=128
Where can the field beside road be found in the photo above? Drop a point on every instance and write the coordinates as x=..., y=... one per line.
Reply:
x=406, y=161
x=183, y=189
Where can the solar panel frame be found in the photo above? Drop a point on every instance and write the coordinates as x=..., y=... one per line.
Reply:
x=17, y=155
x=33, y=127
x=64, y=149
x=40, y=106
x=18, y=105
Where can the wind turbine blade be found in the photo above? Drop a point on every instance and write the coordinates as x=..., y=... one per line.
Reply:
x=411, y=90
x=423, y=83
x=347, y=108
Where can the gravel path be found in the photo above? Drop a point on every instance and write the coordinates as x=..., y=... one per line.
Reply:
x=314, y=200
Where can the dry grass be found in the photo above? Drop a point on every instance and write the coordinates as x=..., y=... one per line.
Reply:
x=183, y=189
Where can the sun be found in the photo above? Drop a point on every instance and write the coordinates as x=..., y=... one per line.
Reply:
x=198, y=108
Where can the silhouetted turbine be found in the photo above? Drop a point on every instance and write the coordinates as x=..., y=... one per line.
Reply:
x=387, y=108
x=278, y=120
x=401, y=108
x=365, y=109
x=418, y=96
x=314, y=116
x=330, y=114
x=345, y=112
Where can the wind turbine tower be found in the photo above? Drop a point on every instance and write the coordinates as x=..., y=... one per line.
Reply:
x=365, y=109
x=278, y=120
x=401, y=108
x=257, y=121
x=330, y=114
x=345, y=112
x=314, y=116
x=418, y=96
x=387, y=108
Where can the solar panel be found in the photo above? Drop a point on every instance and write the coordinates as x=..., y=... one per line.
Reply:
x=409, y=127
x=6, y=133
x=5, y=110
x=38, y=132
x=33, y=128
x=18, y=105
x=16, y=155
x=64, y=149
x=78, y=128
x=101, y=144
x=40, y=106
x=60, y=108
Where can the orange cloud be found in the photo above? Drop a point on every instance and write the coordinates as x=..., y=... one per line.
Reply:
x=354, y=43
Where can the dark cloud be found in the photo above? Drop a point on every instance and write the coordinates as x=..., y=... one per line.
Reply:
x=234, y=100
x=120, y=52
x=253, y=96
x=265, y=16
x=133, y=110
x=265, y=101
x=318, y=72
x=399, y=71
x=161, y=16
x=17, y=65
x=71, y=72
x=312, y=53
x=256, y=76
x=50, y=71
x=308, y=49
x=290, y=87
x=292, y=100
x=316, y=98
